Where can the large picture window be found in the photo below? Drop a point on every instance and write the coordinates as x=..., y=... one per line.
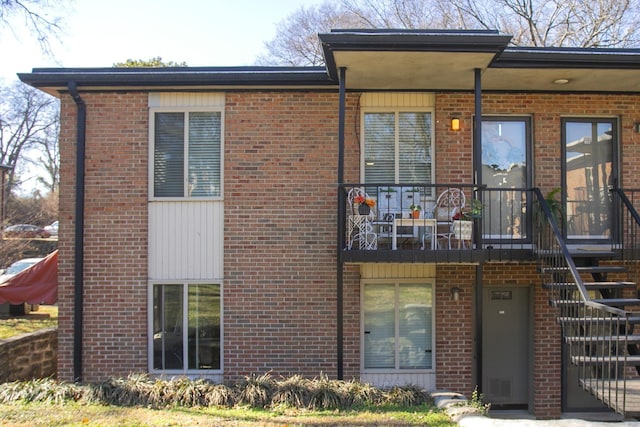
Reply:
x=186, y=327
x=187, y=154
x=398, y=326
x=397, y=147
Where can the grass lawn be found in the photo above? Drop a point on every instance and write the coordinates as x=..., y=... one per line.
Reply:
x=31, y=414
x=45, y=317
x=23, y=412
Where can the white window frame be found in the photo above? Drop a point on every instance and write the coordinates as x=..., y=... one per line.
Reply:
x=215, y=374
x=397, y=283
x=152, y=132
x=396, y=111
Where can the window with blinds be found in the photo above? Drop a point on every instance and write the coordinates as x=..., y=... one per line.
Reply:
x=397, y=147
x=187, y=154
x=398, y=326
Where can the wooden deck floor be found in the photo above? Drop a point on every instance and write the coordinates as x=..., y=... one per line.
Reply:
x=615, y=397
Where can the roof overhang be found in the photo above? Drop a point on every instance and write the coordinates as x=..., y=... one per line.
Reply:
x=448, y=60
x=410, y=60
x=415, y=60
x=55, y=80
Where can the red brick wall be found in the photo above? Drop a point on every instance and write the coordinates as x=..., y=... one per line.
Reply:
x=455, y=329
x=280, y=233
x=115, y=267
x=280, y=227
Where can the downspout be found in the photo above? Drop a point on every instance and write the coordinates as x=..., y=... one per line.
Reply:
x=477, y=166
x=81, y=125
x=340, y=234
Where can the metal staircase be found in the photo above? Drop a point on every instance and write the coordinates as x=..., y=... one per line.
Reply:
x=597, y=304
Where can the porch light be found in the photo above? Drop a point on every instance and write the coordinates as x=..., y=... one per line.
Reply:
x=455, y=293
x=455, y=124
x=561, y=81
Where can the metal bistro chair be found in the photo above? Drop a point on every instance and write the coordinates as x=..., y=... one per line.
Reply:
x=449, y=202
x=359, y=225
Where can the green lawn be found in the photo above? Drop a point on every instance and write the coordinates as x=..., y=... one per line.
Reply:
x=74, y=414
x=23, y=412
x=45, y=317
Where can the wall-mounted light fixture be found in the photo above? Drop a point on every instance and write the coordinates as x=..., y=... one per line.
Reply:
x=455, y=123
x=455, y=293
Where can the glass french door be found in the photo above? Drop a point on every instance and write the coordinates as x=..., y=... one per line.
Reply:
x=588, y=147
x=505, y=157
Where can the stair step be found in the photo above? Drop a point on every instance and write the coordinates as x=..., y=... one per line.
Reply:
x=611, y=302
x=631, y=339
x=592, y=285
x=618, y=302
x=596, y=360
x=633, y=320
x=588, y=269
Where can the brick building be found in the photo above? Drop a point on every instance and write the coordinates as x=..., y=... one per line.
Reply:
x=209, y=226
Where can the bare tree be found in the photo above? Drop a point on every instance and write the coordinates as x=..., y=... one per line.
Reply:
x=34, y=15
x=28, y=119
x=559, y=23
x=571, y=23
x=296, y=42
x=48, y=158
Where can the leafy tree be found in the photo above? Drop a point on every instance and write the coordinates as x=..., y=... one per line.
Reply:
x=149, y=63
x=559, y=23
x=35, y=16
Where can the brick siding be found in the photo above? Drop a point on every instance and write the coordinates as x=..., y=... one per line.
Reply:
x=280, y=226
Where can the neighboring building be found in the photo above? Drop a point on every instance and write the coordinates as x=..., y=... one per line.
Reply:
x=209, y=229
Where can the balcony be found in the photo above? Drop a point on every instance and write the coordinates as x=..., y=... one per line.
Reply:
x=434, y=223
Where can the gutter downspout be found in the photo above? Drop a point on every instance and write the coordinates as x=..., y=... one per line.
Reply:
x=78, y=318
x=477, y=166
x=341, y=222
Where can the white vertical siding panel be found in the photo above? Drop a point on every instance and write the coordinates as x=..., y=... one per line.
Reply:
x=397, y=271
x=186, y=99
x=399, y=100
x=186, y=240
x=426, y=380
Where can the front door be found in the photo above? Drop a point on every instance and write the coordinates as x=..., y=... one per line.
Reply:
x=505, y=156
x=589, y=172
x=505, y=345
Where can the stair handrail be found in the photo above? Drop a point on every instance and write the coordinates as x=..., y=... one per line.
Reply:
x=564, y=252
x=629, y=216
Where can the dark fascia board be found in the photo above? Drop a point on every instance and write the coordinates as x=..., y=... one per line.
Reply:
x=178, y=76
x=596, y=58
x=476, y=41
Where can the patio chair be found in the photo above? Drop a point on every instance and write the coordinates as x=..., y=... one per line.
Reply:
x=449, y=202
x=360, y=225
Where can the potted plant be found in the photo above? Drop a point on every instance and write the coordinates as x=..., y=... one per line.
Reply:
x=462, y=226
x=364, y=204
x=415, y=210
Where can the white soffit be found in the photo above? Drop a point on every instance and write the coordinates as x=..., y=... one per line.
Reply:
x=375, y=70
x=579, y=79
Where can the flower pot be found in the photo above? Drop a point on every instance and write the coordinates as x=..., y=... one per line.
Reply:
x=364, y=209
x=415, y=214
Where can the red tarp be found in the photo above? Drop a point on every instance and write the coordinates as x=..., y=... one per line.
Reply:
x=37, y=284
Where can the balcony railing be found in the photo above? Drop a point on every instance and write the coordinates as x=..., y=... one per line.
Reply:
x=454, y=223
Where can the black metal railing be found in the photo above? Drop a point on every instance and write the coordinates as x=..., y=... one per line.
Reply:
x=474, y=223
x=596, y=333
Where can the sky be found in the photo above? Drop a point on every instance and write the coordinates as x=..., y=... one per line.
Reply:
x=99, y=33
